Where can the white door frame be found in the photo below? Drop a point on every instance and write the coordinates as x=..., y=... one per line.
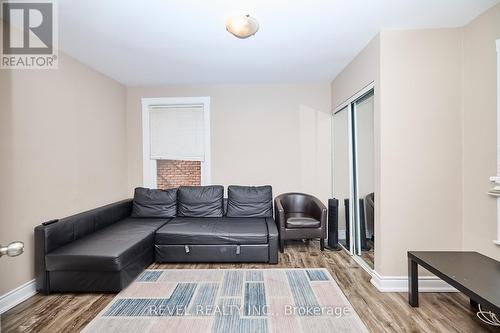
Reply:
x=149, y=168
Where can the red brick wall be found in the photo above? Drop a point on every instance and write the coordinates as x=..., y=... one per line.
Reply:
x=173, y=173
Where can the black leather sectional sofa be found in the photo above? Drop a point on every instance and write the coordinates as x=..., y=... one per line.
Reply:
x=104, y=249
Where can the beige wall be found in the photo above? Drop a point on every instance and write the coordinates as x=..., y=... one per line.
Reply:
x=363, y=70
x=479, y=132
x=421, y=141
x=62, y=148
x=261, y=134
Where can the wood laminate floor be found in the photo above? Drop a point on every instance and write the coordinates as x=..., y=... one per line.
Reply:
x=381, y=312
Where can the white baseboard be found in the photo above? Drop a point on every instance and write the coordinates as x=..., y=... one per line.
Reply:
x=431, y=284
x=16, y=296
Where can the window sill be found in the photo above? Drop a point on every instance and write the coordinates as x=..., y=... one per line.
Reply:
x=497, y=242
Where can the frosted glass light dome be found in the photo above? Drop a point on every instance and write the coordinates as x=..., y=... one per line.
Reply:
x=242, y=26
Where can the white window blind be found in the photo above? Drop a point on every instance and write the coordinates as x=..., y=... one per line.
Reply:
x=177, y=133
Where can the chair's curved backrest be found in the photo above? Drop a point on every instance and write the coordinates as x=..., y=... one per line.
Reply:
x=296, y=202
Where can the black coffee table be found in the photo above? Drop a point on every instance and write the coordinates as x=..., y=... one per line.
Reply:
x=472, y=273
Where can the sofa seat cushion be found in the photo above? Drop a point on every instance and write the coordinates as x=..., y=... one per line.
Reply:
x=301, y=220
x=108, y=249
x=212, y=231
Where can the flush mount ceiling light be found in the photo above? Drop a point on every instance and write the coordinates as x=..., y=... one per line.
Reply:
x=242, y=26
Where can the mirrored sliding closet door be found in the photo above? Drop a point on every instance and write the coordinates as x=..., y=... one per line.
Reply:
x=353, y=174
x=365, y=188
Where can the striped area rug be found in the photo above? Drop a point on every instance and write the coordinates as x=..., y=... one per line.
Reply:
x=230, y=300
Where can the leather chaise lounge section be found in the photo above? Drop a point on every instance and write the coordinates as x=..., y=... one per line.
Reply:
x=104, y=249
x=101, y=250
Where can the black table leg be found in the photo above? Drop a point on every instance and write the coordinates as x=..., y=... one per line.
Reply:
x=474, y=305
x=412, y=283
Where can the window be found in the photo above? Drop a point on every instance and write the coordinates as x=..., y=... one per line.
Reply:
x=177, y=132
x=176, y=141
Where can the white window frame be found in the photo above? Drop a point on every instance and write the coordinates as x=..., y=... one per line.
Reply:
x=149, y=165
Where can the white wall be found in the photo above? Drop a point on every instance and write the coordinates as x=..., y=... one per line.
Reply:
x=63, y=151
x=261, y=134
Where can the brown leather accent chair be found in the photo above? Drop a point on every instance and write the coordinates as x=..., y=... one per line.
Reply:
x=300, y=216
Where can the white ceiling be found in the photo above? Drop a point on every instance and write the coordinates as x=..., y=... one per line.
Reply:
x=185, y=42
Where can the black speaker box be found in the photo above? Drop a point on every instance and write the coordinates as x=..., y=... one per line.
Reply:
x=333, y=225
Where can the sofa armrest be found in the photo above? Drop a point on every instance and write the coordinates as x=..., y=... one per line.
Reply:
x=279, y=213
x=273, y=237
x=41, y=274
